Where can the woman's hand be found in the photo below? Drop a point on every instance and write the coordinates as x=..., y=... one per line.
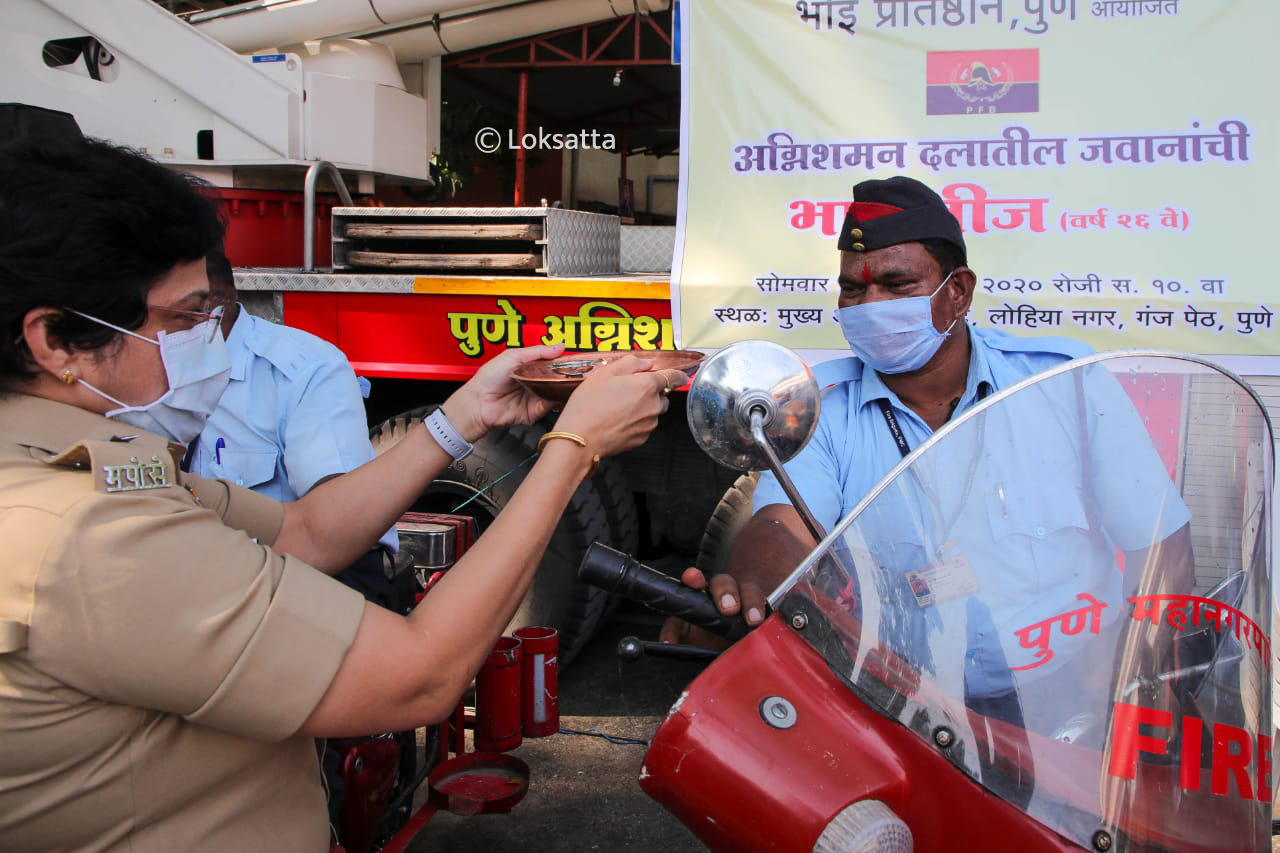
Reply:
x=618, y=404
x=492, y=398
x=615, y=407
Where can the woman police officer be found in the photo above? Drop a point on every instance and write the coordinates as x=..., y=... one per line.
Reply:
x=168, y=649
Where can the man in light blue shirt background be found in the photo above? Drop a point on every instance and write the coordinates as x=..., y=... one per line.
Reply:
x=292, y=417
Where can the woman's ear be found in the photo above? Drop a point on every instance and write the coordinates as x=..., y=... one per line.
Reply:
x=47, y=351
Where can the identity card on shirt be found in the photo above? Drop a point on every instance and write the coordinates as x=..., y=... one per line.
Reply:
x=942, y=581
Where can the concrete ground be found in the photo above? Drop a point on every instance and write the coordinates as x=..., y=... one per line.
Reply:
x=583, y=793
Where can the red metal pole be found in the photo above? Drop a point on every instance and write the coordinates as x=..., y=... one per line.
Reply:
x=623, y=150
x=522, y=119
x=623, y=208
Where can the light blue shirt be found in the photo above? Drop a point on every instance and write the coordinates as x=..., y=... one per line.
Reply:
x=852, y=448
x=991, y=481
x=292, y=415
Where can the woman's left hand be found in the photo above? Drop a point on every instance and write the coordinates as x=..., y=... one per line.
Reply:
x=492, y=398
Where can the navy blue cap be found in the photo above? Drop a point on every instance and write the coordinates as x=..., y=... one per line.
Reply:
x=897, y=210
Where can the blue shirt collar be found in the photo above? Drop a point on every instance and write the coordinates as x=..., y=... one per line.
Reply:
x=872, y=387
x=979, y=373
x=237, y=345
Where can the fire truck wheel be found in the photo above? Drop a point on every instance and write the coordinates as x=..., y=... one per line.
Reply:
x=726, y=520
x=613, y=490
x=600, y=509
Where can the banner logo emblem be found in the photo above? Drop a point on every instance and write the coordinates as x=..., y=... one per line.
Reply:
x=981, y=82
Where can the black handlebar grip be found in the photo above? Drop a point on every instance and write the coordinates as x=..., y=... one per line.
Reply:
x=616, y=572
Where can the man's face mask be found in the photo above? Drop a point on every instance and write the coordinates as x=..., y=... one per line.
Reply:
x=894, y=335
x=197, y=368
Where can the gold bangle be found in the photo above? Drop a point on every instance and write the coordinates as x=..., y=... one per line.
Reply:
x=576, y=439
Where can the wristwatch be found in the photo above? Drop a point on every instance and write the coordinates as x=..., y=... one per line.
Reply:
x=449, y=439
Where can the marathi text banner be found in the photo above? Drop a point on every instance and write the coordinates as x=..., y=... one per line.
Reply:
x=1112, y=162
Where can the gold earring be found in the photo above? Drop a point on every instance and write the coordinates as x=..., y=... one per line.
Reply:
x=68, y=378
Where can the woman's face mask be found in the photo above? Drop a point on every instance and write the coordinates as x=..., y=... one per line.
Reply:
x=894, y=335
x=197, y=368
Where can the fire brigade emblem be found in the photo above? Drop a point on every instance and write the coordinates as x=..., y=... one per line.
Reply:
x=980, y=82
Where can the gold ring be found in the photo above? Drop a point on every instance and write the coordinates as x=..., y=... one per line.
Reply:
x=666, y=384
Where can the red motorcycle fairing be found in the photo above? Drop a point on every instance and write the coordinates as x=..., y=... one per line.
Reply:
x=741, y=784
x=1048, y=628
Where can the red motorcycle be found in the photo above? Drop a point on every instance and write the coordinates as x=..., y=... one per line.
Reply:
x=1047, y=628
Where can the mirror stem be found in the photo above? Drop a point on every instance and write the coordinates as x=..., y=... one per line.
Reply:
x=775, y=465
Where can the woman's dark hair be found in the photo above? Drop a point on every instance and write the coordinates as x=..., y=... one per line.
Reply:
x=90, y=226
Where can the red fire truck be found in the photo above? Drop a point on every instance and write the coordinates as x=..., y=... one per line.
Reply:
x=417, y=335
x=280, y=107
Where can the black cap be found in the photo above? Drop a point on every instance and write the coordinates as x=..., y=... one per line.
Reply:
x=23, y=121
x=897, y=210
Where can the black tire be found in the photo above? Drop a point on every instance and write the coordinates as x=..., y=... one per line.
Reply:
x=498, y=466
x=614, y=493
x=726, y=520
x=613, y=490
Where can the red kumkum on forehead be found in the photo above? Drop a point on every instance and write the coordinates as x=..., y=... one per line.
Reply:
x=866, y=272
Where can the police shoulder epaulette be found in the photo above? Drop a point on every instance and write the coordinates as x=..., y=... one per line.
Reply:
x=121, y=466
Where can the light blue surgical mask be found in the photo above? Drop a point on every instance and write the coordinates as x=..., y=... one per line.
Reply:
x=197, y=368
x=894, y=335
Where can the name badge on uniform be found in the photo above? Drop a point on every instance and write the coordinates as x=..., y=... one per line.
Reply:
x=136, y=475
x=943, y=581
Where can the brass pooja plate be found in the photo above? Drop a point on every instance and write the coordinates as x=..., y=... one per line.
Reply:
x=555, y=378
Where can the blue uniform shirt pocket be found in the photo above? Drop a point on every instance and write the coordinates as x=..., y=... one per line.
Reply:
x=247, y=468
x=1042, y=539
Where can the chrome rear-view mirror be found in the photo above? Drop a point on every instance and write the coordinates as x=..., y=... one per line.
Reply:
x=754, y=405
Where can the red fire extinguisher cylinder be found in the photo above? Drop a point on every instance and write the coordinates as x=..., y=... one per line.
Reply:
x=498, y=721
x=540, y=680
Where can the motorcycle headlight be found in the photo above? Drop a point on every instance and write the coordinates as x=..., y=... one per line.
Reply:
x=867, y=826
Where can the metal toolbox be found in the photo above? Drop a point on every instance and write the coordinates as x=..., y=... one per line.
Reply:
x=531, y=240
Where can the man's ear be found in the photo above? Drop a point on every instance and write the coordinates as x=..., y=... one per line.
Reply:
x=964, y=280
x=47, y=350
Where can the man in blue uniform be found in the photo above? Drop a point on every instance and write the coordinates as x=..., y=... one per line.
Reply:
x=292, y=417
x=905, y=289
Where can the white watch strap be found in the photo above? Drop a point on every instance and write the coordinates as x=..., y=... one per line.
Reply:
x=446, y=436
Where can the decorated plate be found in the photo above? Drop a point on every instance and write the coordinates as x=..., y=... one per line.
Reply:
x=555, y=378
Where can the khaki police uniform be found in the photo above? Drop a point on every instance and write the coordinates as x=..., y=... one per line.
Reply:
x=155, y=661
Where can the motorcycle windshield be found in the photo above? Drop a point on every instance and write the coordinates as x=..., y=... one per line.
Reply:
x=1066, y=592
